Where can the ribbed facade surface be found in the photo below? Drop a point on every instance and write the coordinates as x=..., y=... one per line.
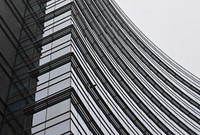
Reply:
x=83, y=67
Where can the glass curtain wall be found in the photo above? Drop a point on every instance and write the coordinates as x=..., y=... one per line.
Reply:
x=54, y=119
x=63, y=70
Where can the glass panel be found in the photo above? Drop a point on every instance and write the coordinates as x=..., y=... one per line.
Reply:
x=59, y=86
x=59, y=128
x=37, y=119
x=58, y=109
x=60, y=70
x=61, y=122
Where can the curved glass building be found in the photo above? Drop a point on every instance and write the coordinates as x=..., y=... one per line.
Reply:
x=82, y=67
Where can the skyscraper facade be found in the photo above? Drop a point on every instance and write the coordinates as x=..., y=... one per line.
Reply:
x=82, y=67
x=16, y=34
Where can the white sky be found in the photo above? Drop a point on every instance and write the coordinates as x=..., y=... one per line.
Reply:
x=173, y=25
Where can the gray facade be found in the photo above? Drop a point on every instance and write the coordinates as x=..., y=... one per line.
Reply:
x=15, y=34
x=82, y=67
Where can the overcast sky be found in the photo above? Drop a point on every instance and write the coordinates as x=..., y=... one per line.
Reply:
x=173, y=25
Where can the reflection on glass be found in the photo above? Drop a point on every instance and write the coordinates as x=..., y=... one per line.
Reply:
x=54, y=119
